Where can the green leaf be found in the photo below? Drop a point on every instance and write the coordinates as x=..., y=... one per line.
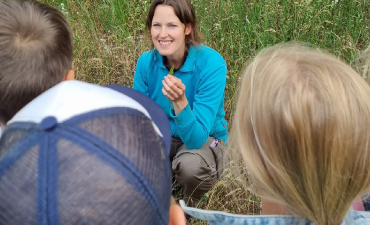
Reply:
x=171, y=70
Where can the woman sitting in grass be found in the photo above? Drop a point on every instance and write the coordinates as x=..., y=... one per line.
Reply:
x=302, y=126
x=192, y=98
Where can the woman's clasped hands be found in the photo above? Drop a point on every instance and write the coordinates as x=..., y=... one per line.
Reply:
x=174, y=90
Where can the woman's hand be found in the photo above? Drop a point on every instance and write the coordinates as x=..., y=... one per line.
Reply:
x=174, y=90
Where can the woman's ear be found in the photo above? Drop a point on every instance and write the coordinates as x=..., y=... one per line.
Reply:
x=188, y=29
x=69, y=76
x=177, y=216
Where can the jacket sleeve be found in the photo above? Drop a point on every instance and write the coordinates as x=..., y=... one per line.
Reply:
x=140, y=78
x=194, y=125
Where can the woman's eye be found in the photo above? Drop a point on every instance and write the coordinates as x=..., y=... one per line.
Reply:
x=173, y=25
x=156, y=25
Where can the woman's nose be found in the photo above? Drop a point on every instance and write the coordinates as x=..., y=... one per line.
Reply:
x=163, y=32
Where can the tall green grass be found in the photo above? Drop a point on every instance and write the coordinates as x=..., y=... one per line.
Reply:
x=110, y=35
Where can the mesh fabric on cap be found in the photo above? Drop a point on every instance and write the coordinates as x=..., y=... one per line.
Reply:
x=104, y=167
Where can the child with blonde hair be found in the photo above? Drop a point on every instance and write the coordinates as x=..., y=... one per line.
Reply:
x=301, y=124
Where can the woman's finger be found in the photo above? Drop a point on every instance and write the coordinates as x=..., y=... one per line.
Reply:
x=175, y=87
x=165, y=93
x=178, y=83
x=170, y=90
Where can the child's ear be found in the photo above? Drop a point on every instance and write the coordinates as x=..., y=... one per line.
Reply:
x=69, y=76
x=177, y=216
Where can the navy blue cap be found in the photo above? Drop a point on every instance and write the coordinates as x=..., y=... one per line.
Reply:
x=155, y=111
x=86, y=154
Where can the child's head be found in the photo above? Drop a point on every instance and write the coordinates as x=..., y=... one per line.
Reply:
x=85, y=154
x=36, y=46
x=184, y=12
x=302, y=122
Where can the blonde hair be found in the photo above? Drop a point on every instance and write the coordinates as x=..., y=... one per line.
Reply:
x=302, y=125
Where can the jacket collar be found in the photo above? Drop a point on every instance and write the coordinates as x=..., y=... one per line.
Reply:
x=189, y=65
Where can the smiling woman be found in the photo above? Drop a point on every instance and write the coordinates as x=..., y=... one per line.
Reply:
x=196, y=91
x=168, y=36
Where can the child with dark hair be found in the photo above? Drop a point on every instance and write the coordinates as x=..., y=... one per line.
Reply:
x=36, y=48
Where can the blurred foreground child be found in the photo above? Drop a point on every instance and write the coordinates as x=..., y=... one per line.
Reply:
x=85, y=154
x=302, y=126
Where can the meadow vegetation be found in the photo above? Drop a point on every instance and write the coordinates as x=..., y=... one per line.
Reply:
x=110, y=36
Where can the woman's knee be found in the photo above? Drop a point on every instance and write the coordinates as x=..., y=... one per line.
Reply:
x=190, y=167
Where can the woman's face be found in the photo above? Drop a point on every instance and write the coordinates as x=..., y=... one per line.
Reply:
x=168, y=33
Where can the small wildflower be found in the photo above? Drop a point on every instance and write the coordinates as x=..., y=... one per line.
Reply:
x=64, y=11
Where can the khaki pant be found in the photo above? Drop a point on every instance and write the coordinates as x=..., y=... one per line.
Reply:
x=196, y=170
